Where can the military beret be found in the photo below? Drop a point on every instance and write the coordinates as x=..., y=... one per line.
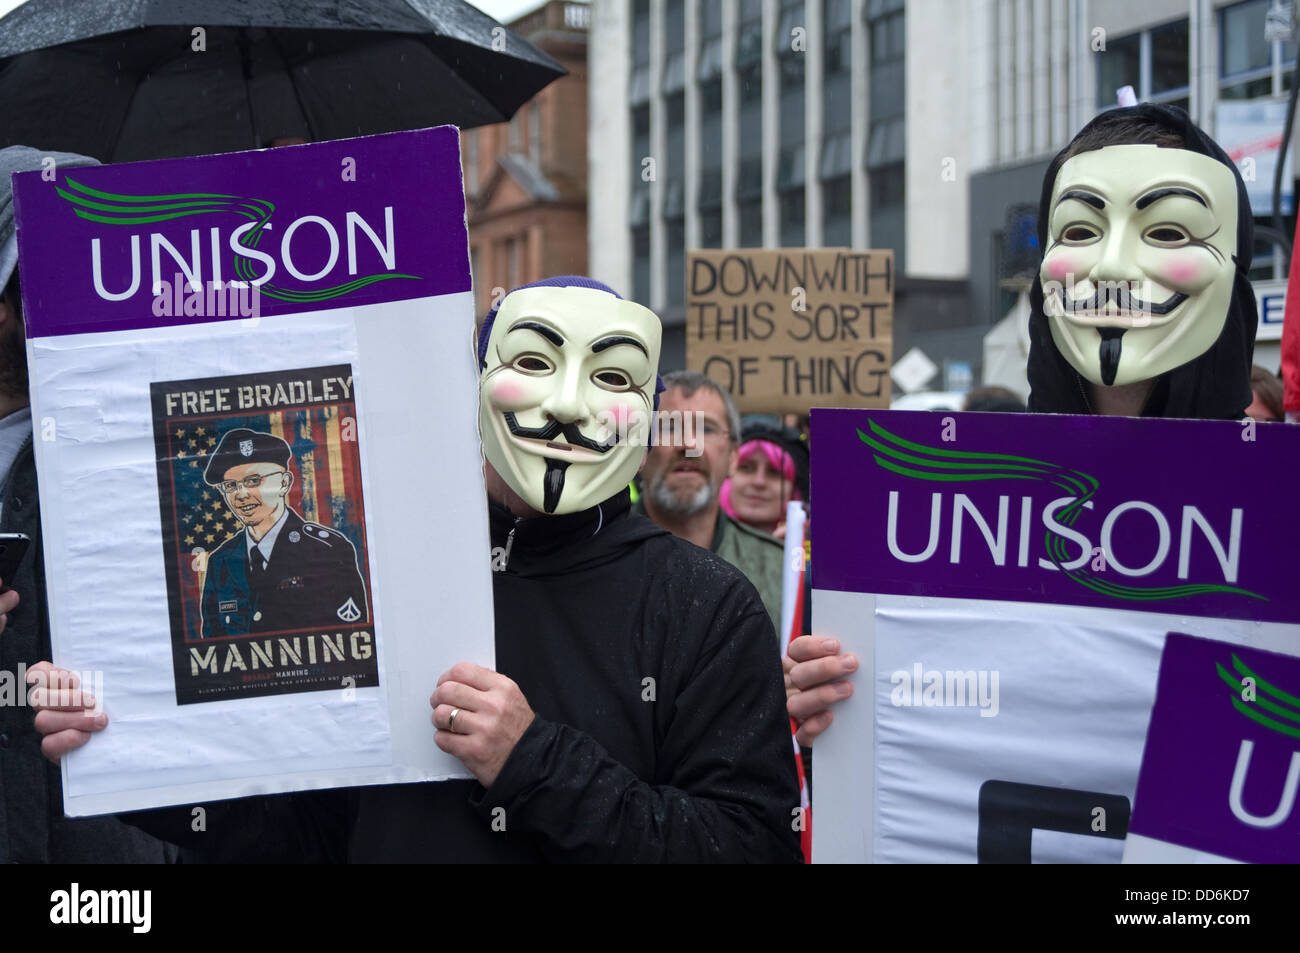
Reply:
x=242, y=446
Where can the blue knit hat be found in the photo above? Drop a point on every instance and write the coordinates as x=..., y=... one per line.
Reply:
x=559, y=281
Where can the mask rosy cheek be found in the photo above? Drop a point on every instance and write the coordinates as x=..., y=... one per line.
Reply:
x=507, y=392
x=620, y=413
x=1059, y=267
x=1186, y=270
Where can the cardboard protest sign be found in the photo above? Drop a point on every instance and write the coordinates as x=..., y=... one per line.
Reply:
x=1008, y=583
x=784, y=330
x=1222, y=761
x=254, y=398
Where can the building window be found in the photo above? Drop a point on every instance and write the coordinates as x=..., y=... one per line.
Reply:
x=887, y=185
x=675, y=233
x=1154, y=62
x=790, y=176
x=577, y=16
x=641, y=264
x=638, y=85
x=749, y=42
x=708, y=66
x=471, y=162
x=640, y=31
x=792, y=19
x=711, y=229
x=792, y=218
x=1247, y=58
x=709, y=199
x=675, y=136
x=640, y=149
x=749, y=200
x=512, y=263
x=474, y=274
x=837, y=64
x=751, y=224
x=749, y=76
x=886, y=137
x=837, y=217
x=791, y=173
x=888, y=225
x=888, y=31
x=535, y=132
x=887, y=132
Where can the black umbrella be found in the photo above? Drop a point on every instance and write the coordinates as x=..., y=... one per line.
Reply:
x=145, y=79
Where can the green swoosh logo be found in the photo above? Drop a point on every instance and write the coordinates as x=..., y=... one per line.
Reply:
x=939, y=464
x=1268, y=703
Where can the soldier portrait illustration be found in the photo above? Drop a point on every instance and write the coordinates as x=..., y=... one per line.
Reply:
x=280, y=572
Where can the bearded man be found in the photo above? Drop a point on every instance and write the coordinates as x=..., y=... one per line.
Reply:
x=683, y=474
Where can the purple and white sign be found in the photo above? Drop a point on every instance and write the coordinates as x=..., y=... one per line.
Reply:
x=1155, y=515
x=254, y=397
x=1007, y=583
x=334, y=224
x=1222, y=762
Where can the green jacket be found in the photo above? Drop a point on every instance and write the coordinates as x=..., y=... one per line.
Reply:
x=757, y=555
x=754, y=553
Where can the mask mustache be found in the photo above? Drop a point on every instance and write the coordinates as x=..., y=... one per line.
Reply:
x=553, y=429
x=1118, y=297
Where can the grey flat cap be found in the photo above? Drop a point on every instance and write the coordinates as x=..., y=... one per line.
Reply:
x=23, y=159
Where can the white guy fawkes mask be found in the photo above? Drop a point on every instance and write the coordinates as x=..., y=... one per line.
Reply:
x=566, y=395
x=1138, y=272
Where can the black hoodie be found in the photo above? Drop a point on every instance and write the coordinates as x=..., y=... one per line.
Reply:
x=1215, y=385
x=660, y=735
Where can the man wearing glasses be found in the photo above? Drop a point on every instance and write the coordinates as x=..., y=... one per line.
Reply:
x=281, y=573
x=683, y=474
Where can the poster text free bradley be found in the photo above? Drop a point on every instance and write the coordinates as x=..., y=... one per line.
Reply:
x=257, y=396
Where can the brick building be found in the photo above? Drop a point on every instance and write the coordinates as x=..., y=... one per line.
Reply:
x=526, y=180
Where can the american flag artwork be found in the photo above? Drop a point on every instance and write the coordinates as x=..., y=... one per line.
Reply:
x=327, y=480
x=309, y=598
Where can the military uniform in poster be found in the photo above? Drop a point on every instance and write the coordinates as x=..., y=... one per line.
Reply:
x=264, y=534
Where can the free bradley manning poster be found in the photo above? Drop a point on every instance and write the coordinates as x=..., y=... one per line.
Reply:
x=263, y=519
x=262, y=544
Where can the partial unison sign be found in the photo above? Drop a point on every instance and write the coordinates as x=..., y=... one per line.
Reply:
x=786, y=330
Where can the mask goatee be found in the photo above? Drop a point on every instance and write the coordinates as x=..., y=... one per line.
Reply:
x=1109, y=353
x=553, y=484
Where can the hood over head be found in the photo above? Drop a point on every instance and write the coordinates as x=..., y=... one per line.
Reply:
x=1213, y=384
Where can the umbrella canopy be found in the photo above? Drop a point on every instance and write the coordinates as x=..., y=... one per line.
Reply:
x=144, y=79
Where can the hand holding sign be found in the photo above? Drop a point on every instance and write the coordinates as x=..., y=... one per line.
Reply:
x=815, y=678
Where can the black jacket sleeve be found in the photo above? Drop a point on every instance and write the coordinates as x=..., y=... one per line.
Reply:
x=303, y=827
x=728, y=790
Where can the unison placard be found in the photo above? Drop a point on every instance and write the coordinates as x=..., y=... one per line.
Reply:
x=259, y=465
x=1221, y=767
x=1008, y=582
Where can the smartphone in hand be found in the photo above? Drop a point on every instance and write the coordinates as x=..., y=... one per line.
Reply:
x=13, y=547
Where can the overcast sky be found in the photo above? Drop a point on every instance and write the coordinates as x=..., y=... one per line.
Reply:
x=503, y=10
